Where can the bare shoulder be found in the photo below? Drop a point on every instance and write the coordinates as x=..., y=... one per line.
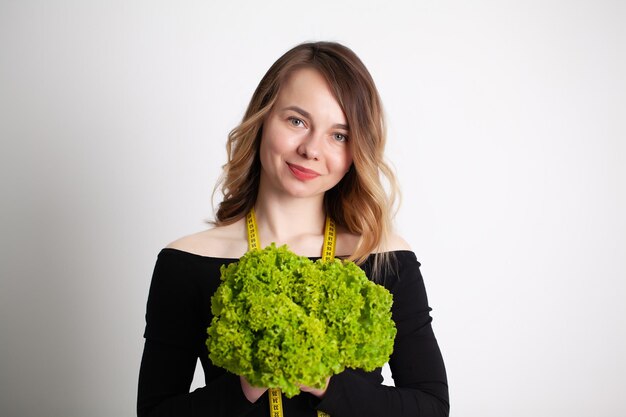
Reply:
x=219, y=242
x=394, y=242
x=346, y=243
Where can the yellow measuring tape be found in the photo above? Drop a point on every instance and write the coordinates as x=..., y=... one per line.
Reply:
x=328, y=253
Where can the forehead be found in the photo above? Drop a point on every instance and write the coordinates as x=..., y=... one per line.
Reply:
x=307, y=88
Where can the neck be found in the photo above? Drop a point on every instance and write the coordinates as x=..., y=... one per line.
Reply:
x=284, y=220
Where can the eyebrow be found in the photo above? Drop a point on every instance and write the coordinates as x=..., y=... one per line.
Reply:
x=308, y=116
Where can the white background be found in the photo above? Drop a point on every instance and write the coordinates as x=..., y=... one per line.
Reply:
x=506, y=127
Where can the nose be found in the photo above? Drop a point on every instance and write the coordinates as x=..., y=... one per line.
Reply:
x=309, y=148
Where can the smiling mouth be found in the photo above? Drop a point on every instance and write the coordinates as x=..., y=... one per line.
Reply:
x=302, y=173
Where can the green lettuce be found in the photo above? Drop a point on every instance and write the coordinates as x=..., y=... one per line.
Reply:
x=280, y=320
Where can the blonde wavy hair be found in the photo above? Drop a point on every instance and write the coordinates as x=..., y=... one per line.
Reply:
x=360, y=202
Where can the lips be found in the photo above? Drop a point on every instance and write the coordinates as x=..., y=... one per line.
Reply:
x=302, y=173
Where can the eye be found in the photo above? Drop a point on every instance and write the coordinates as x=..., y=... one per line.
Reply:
x=340, y=137
x=294, y=121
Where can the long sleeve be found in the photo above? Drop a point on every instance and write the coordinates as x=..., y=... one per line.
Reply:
x=416, y=363
x=174, y=340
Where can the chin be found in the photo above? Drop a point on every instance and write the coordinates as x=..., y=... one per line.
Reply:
x=298, y=189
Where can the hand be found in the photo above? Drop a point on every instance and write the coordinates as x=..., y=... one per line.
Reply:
x=251, y=393
x=318, y=392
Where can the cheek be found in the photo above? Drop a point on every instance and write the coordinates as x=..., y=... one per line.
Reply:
x=342, y=163
x=347, y=160
x=266, y=153
x=269, y=143
x=275, y=140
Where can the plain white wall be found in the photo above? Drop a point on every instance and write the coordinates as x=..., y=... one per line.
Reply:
x=506, y=127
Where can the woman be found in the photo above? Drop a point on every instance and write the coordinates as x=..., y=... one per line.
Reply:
x=310, y=145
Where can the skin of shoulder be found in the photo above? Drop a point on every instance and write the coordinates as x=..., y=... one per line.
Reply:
x=346, y=242
x=394, y=242
x=219, y=242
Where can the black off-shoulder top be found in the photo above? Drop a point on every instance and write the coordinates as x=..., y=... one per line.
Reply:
x=179, y=312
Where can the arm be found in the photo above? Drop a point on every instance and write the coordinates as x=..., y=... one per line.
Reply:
x=416, y=363
x=164, y=381
x=174, y=341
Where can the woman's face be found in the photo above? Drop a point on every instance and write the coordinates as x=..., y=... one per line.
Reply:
x=304, y=146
